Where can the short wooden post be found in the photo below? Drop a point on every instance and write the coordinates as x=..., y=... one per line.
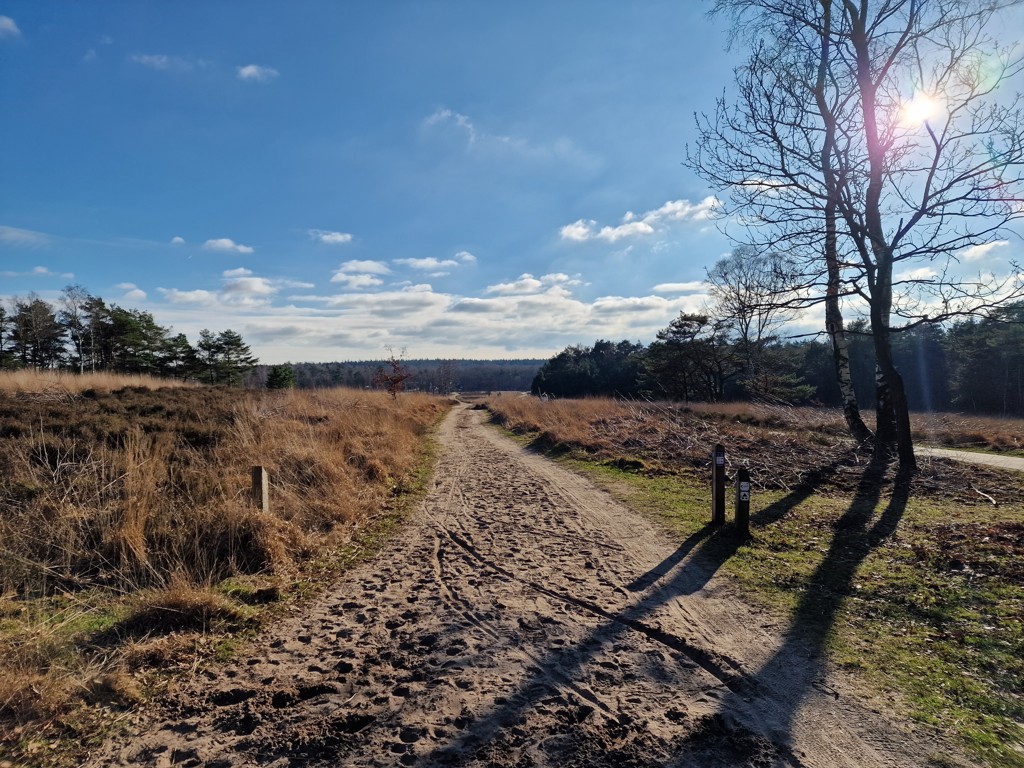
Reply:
x=743, y=503
x=261, y=488
x=718, y=485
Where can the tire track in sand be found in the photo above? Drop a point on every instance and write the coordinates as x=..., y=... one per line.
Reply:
x=523, y=618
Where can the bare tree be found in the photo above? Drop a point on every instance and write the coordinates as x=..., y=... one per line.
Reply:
x=749, y=290
x=824, y=133
x=74, y=302
x=392, y=375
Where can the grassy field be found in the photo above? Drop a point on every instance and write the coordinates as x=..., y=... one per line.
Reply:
x=916, y=584
x=130, y=548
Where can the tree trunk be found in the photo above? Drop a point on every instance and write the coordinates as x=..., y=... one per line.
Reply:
x=833, y=314
x=892, y=399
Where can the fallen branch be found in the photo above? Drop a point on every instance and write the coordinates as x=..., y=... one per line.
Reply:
x=982, y=493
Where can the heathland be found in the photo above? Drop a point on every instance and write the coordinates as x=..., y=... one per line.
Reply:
x=136, y=570
x=130, y=544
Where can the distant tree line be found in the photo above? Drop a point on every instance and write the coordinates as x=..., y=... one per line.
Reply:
x=83, y=333
x=438, y=376
x=974, y=365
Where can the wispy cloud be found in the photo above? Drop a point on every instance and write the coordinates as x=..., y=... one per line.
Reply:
x=23, y=238
x=40, y=272
x=479, y=140
x=634, y=225
x=165, y=63
x=357, y=280
x=428, y=263
x=691, y=286
x=8, y=29
x=330, y=238
x=201, y=297
x=256, y=74
x=979, y=252
x=227, y=245
x=240, y=287
x=177, y=240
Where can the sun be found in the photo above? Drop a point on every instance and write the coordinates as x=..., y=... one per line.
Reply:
x=919, y=110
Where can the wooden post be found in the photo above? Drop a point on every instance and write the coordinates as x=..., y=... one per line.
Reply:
x=718, y=485
x=261, y=488
x=743, y=503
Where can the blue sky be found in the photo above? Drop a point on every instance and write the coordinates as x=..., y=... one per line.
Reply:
x=456, y=179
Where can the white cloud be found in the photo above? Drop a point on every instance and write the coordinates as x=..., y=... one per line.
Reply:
x=240, y=288
x=164, y=63
x=177, y=240
x=427, y=263
x=921, y=273
x=372, y=267
x=248, y=286
x=227, y=244
x=256, y=74
x=466, y=257
x=173, y=295
x=8, y=28
x=361, y=280
x=330, y=238
x=645, y=224
x=132, y=292
x=579, y=230
x=978, y=252
x=22, y=238
x=528, y=284
x=690, y=286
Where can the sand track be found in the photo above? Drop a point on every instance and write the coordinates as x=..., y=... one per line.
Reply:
x=523, y=618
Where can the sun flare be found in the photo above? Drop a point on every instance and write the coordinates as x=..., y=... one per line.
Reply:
x=920, y=110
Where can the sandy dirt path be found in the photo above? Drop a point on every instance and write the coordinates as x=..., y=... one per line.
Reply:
x=523, y=618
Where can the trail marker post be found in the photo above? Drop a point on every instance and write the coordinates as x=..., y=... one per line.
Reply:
x=261, y=488
x=743, y=502
x=718, y=485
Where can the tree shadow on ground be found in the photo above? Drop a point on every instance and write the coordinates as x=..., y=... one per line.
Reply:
x=767, y=699
x=799, y=662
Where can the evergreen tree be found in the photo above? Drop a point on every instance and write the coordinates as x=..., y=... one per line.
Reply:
x=281, y=377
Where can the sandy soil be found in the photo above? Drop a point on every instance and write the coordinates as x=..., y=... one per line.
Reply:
x=524, y=618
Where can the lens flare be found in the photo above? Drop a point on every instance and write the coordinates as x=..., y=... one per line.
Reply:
x=920, y=110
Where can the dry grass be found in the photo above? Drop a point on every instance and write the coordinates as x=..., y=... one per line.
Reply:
x=60, y=383
x=784, y=447
x=124, y=507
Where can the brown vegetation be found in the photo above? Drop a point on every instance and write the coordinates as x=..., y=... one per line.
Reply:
x=124, y=507
x=783, y=446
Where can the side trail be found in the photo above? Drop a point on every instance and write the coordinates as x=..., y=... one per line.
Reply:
x=522, y=618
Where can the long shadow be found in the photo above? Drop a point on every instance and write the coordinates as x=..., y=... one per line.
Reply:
x=710, y=548
x=799, y=663
x=717, y=549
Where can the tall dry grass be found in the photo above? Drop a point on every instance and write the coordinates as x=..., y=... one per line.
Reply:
x=120, y=496
x=59, y=383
